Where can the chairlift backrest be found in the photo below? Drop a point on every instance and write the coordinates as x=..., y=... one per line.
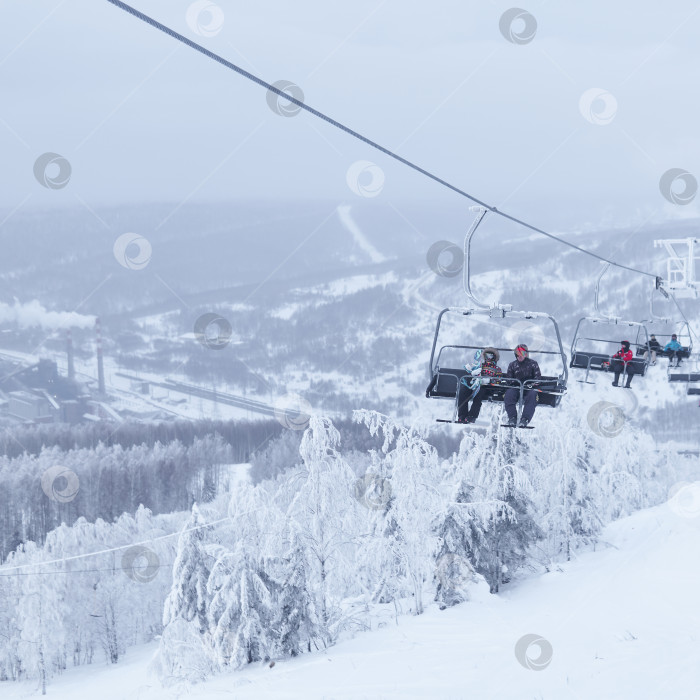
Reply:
x=445, y=375
x=598, y=357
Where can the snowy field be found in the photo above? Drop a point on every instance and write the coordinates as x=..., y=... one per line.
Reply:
x=623, y=622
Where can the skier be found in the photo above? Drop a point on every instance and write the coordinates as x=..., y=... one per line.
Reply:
x=620, y=362
x=655, y=347
x=673, y=347
x=522, y=369
x=477, y=391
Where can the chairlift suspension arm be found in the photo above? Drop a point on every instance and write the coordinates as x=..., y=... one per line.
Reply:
x=606, y=267
x=480, y=214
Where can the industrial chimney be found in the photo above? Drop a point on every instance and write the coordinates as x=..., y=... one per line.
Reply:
x=69, y=350
x=100, y=362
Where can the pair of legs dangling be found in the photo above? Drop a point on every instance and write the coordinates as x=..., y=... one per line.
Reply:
x=465, y=412
x=618, y=368
x=510, y=401
x=674, y=359
x=469, y=414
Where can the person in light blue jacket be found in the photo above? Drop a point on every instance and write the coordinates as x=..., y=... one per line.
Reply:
x=672, y=348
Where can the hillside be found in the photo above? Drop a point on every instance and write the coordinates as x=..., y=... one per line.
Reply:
x=622, y=623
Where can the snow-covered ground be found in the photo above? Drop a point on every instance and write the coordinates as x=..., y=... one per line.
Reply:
x=360, y=238
x=622, y=622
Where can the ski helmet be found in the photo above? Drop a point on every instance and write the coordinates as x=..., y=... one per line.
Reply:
x=521, y=350
x=626, y=344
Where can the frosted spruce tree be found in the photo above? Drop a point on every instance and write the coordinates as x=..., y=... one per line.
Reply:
x=294, y=623
x=240, y=610
x=459, y=533
x=188, y=598
x=185, y=647
x=493, y=469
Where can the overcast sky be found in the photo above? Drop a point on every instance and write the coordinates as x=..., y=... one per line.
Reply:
x=140, y=117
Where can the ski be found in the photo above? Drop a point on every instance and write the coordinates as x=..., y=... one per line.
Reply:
x=524, y=427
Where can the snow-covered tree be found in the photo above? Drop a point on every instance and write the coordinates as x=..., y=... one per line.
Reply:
x=40, y=611
x=294, y=622
x=500, y=504
x=459, y=534
x=240, y=609
x=189, y=598
x=324, y=514
x=412, y=469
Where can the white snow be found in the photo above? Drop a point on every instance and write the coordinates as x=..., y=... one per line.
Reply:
x=287, y=311
x=362, y=241
x=328, y=293
x=623, y=622
x=235, y=475
x=356, y=283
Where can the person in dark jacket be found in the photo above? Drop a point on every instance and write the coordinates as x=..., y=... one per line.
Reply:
x=489, y=368
x=620, y=363
x=654, y=346
x=522, y=369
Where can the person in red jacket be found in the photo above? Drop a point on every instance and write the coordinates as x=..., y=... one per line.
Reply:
x=622, y=356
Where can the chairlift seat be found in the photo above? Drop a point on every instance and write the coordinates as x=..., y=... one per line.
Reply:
x=445, y=378
x=683, y=353
x=634, y=366
x=582, y=360
x=599, y=361
x=445, y=382
x=684, y=377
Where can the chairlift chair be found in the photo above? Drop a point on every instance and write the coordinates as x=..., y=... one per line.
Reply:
x=680, y=330
x=664, y=329
x=599, y=360
x=691, y=375
x=446, y=374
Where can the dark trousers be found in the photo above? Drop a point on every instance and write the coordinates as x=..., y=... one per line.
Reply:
x=674, y=355
x=510, y=401
x=464, y=412
x=617, y=366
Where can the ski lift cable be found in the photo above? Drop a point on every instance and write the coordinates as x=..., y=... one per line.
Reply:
x=85, y=555
x=78, y=571
x=302, y=105
x=250, y=76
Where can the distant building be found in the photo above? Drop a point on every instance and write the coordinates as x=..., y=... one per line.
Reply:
x=32, y=407
x=39, y=394
x=72, y=411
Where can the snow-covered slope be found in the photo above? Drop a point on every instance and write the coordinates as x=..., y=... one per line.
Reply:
x=623, y=622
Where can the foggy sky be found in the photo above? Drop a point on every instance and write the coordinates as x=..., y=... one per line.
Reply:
x=142, y=118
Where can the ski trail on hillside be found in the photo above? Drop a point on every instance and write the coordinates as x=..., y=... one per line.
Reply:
x=348, y=222
x=616, y=622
